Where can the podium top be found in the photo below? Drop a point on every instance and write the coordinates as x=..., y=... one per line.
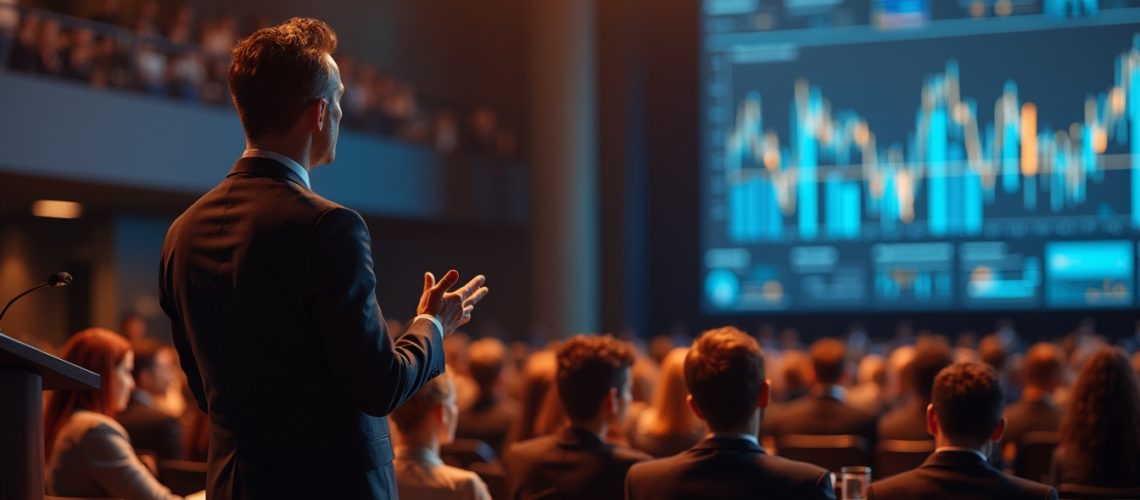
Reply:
x=56, y=373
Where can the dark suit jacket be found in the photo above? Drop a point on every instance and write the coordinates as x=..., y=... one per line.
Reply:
x=488, y=420
x=905, y=422
x=573, y=464
x=820, y=414
x=271, y=295
x=958, y=475
x=727, y=468
x=151, y=429
x=1030, y=416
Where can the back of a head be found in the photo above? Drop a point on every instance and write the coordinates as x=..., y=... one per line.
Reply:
x=1101, y=429
x=828, y=357
x=487, y=357
x=992, y=351
x=724, y=371
x=931, y=355
x=416, y=412
x=146, y=356
x=671, y=412
x=589, y=366
x=277, y=71
x=872, y=370
x=968, y=401
x=1043, y=365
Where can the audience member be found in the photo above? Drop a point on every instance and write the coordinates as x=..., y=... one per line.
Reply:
x=1035, y=411
x=51, y=48
x=869, y=393
x=825, y=411
x=9, y=22
x=992, y=352
x=423, y=423
x=1100, y=433
x=537, y=379
x=22, y=56
x=908, y=421
x=490, y=417
x=151, y=429
x=593, y=378
x=668, y=426
x=724, y=371
x=796, y=375
x=965, y=418
x=88, y=453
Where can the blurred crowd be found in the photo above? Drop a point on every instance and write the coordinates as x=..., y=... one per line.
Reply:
x=164, y=50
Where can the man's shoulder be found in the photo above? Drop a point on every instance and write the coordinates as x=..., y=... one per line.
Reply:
x=531, y=447
x=914, y=483
x=627, y=455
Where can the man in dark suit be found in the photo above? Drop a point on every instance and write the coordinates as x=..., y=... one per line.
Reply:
x=150, y=429
x=491, y=416
x=908, y=421
x=272, y=296
x=594, y=384
x=965, y=419
x=824, y=411
x=724, y=372
x=1035, y=411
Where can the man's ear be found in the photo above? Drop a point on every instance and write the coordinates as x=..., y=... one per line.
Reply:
x=999, y=431
x=931, y=420
x=315, y=114
x=693, y=406
x=762, y=399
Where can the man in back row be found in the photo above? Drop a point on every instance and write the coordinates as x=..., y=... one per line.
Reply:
x=965, y=418
x=724, y=372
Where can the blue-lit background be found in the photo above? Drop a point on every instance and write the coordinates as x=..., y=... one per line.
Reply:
x=892, y=155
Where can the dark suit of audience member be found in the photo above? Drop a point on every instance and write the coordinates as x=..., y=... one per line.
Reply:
x=965, y=420
x=824, y=411
x=931, y=355
x=724, y=371
x=491, y=416
x=593, y=381
x=272, y=297
x=1035, y=411
x=151, y=429
x=1100, y=434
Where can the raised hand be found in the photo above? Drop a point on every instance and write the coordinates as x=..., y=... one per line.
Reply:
x=452, y=309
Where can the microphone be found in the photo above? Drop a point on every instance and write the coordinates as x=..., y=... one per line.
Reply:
x=55, y=280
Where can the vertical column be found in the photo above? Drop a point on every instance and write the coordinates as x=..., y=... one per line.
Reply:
x=564, y=173
x=936, y=168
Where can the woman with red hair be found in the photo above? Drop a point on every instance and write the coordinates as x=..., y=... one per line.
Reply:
x=88, y=452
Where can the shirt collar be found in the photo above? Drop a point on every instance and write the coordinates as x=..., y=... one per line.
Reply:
x=980, y=455
x=833, y=391
x=420, y=454
x=736, y=435
x=285, y=160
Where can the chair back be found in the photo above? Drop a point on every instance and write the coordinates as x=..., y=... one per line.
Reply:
x=183, y=477
x=831, y=452
x=1080, y=492
x=465, y=451
x=1035, y=456
x=893, y=456
x=493, y=475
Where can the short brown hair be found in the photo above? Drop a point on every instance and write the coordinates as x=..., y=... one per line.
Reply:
x=827, y=358
x=967, y=399
x=1043, y=365
x=724, y=371
x=588, y=367
x=487, y=360
x=414, y=412
x=277, y=71
x=931, y=355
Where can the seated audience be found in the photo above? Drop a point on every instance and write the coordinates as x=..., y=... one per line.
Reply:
x=965, y=418
x=88, y=453
x=423, y=423
x=825, y=411
x=536, y=380
x=593, y=379
x=1036, y=411
x=724, y=371
x=490, y=417
x=908, y=421
x=150, y=428
x=1100, y=434
x=992, y=352
x=668, y=426
x=869, y=393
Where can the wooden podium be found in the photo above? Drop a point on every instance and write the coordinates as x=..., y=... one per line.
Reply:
x=25, y=372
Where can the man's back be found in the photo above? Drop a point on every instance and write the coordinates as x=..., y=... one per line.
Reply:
x=726, y=468
x=271, y=293
x=1030, y=416
x=151, y=429
x=573, y=464
x=488, y=420
x=958, y=475
x=907, y=422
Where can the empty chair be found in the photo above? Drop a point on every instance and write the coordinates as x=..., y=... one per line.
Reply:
x=1035, y=455
x=831, y=452
x=464, y=452
x=893, y=456
x=183, y=477
x=1080, y=491
x=493, y=475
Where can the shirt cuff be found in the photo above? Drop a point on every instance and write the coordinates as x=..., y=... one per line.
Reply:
x=434, y=321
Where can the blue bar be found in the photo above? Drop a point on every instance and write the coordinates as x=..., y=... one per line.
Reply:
x=1134, y=114
x=1011, y=145
x=750, y=206
x=1057, y=189
x=736, y=212
x=973, y=202
x=889, y=212
x=775, y=223
x=762, y=206
x=936, y=165
x=851, y=215
x=956, y=170
x=833, y=220
x=808, y=204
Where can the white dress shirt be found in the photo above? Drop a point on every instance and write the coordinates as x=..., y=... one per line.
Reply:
x=420, y=474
